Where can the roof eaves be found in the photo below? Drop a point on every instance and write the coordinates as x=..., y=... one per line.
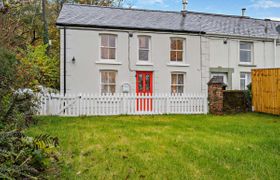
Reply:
x=128, y=28
x=239, y=36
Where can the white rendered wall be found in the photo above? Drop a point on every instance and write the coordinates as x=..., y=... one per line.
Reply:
x=201, y=54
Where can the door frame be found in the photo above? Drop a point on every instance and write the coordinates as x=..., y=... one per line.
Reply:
x=151, y=73
x=229, y=72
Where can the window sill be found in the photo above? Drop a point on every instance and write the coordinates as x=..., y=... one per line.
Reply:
x=108, y=62
x=140, y=63
x=247, y=65
x=174, y=64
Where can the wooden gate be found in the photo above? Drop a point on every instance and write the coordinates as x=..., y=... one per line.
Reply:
x=266, y=90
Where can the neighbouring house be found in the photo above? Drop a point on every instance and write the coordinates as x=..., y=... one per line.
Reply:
x=119, y=50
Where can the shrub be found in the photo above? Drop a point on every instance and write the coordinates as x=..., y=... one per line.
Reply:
x=248, y=95
x=21, y=157
x=25, y=157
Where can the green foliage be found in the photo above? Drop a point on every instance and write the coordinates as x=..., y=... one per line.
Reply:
x=15, y=108
x=20, y=24
x=44, y=68
x=248, y=95
x=23, y=30
x=236, y=101
x=7, y=63
x=21, y=157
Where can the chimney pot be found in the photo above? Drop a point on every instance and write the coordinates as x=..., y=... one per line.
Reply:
x=184, y=10
x=243, y=11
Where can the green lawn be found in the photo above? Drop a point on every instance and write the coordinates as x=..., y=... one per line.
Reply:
x=245, y=146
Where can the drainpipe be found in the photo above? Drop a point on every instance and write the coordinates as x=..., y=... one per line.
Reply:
x=275, y=52
x=129, y=48
x=201, y=66
x=64, y=62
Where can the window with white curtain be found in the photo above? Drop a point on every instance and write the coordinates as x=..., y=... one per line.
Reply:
x=108, y=46
x=177, y=82
x=108, y=82
x=144, y=48
x=177, y=49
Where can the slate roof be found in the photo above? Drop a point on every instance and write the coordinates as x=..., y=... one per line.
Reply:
x=139, y=19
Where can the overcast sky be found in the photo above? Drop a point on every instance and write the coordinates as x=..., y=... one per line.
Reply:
x=255, y=8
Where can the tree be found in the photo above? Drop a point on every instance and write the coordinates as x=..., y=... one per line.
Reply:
x=45, y=23
x=11, y=79
x=26, y=28
x=21, y=157
x=43, y=68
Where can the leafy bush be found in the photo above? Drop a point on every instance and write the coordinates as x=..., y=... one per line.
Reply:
x=21, y=157
x=43, y=68
x=25, y=157
x=248, y=95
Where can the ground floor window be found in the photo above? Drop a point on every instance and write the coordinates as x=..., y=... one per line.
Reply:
x=177, y=82
x=108, y=82
x=245, y=80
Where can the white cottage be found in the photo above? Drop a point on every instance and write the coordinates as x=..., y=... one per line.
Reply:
x=118, y=50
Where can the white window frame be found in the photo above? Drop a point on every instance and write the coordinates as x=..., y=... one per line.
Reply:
x=247, y=79
x=109, y=84
x=100, y=46
x=150, y=49
x=177, y=85
x=252, y=52
x=183, y=50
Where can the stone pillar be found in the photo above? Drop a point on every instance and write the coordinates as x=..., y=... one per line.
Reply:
x=216, y=86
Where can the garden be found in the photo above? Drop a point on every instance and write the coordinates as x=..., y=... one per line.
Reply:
x=244, y=146
x=241, y=146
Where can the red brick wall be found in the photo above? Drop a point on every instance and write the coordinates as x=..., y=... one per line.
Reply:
x=215, y=97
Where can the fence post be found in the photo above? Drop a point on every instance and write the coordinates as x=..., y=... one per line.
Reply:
x=79, y=105
x=123, y=97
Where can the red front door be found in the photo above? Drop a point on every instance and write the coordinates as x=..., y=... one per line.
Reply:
x=144, y=87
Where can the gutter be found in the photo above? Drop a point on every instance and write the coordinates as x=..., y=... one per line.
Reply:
x=240, y=37
x=128, y=28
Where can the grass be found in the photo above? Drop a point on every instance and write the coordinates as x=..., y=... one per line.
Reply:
x=245, y=146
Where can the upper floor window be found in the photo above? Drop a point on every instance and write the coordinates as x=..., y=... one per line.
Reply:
x=177, y=49
x=246, y=52
x=177, y=82
x=144, y=48
x=108, y=82
x=108, y=46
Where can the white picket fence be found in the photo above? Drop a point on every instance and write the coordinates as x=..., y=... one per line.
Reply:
x=122, y=104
